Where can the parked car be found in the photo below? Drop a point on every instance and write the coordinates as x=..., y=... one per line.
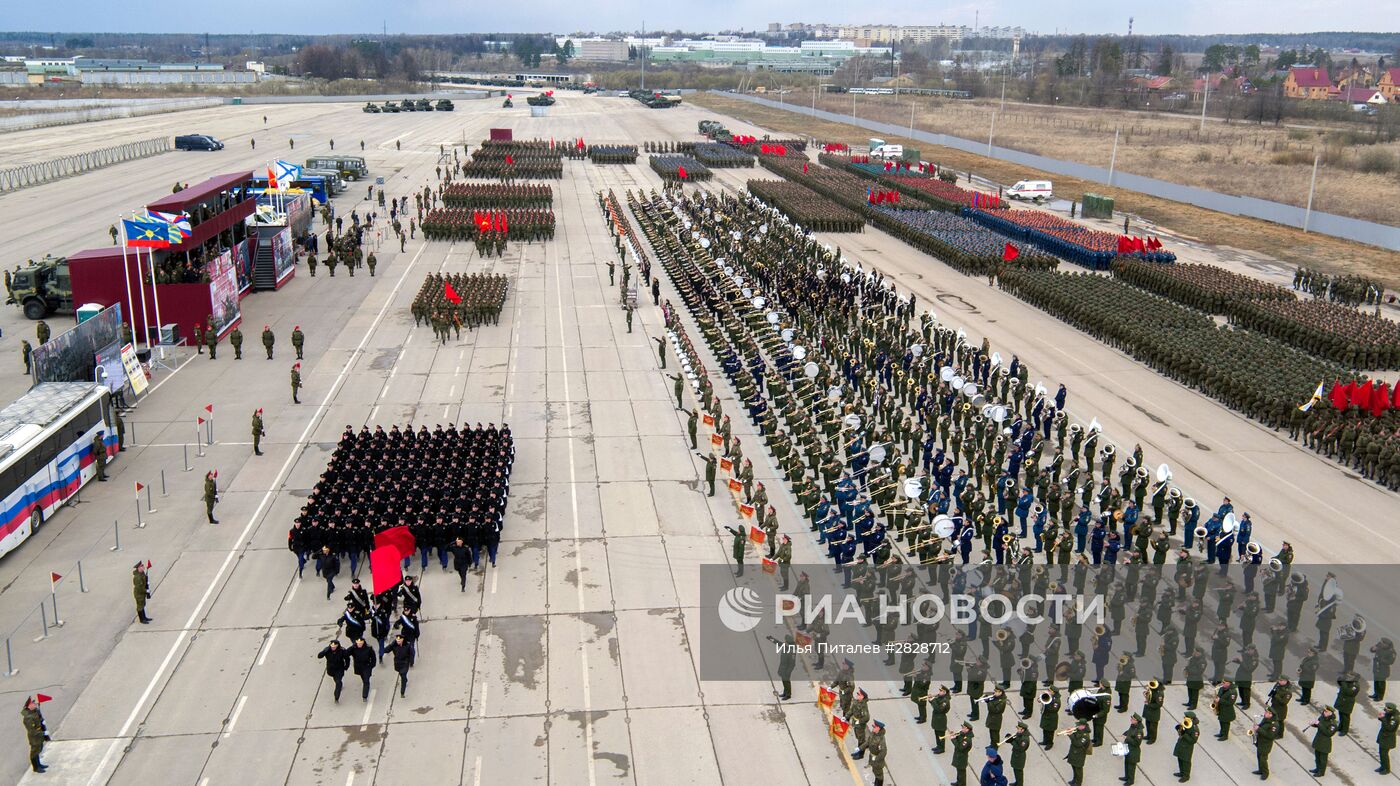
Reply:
x=1033, y=190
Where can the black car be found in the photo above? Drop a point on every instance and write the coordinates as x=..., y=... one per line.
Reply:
x=197, y=142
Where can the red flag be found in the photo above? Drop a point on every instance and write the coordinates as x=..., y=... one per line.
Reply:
x=757, y=535
x=782, y=150
x=42, y=697
x=726, y=465
x=1380, y=401
x=1009, y=253
x=510, y=161
x=716, y=440
x=148, y=564
x=825, y=696
x=400, y=538
x=1395, y=402
x=839, y=727
x=209, y=408
x=580, y=143
x=385, y=567
x=770, y=566
x=680, y=172
x=54, y=577
x=735, y=486
x=803, y=640
x=505, y=224
x=201, y=421
x=1340, y=395
x=1361, y=397
x=746, y=511
x=451, y=294
x=708, y=420
x=139, y=487
x=804, y=167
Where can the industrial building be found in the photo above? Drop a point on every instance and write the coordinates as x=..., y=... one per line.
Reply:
x=89, y=70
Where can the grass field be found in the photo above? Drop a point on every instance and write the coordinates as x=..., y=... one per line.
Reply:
x=1283, y=243
x=1355, y=179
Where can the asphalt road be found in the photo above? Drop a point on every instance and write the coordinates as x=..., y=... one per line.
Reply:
x=576, y=660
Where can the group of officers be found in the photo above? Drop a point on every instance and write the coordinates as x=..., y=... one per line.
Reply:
x=873, y=363
x=452, y=301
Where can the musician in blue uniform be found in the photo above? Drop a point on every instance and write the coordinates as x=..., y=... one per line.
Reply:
x=1023, y=508
x=1081, y=530
x=1244, y=529
x=1003, y=529
x=1193, y=517
x=964, y=535
x=1038, y=528
x=1096, y=540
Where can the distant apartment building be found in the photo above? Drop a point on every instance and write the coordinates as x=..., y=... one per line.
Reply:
x=922, y=34
x=600, y=50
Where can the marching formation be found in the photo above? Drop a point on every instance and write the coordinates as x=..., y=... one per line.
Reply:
x=456, y=300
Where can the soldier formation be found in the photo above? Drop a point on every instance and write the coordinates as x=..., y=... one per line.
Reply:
x=1348, y=290
x=455, y=300
x=872, y=378
x=806, y=207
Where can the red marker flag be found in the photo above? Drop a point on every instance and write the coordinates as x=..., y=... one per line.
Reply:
x=42, y=697
x=451, y=294
x=680, y=172
x=1338, y=396
x=580, y=143
x=770, y=566
x=826, y=697
x=385, y=568
x=804, y=167
x=1009, y=253
x=201, y=421
x=757, y=535
x=139, y=487
x=510, y=161
x=53, y=581
x=209, y=408
x=148, y=564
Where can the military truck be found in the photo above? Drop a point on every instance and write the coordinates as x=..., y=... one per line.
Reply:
x=43, y=288
x=445, y=106
x=371, y=109
x=710, y=126
x=349, y=167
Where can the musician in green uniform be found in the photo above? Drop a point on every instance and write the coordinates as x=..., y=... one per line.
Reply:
x=1020, y=743
x=1080, y=745
x=1188, y=732
x=1326, y=726
x=1266, y=731
x=1385, y=738
x=36, y=731
x=1132, y=737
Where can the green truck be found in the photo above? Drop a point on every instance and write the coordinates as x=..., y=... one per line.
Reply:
x=43, y=288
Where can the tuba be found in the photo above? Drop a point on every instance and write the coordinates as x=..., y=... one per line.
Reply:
x=1046, y=697
x=1253, y=548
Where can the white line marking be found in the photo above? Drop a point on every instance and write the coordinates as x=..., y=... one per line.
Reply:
x=267, y=645
x=350, y=778
x=476, y=781
x=374, y=412
x=452, y=391
x=369, y=708
x=485, y=690
x=494, y=575
x=445, y=409
x=573, y=504
x=291, y=594
x=237, y=710
x=195, y=614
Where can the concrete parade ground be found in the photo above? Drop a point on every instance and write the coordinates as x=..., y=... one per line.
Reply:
x=575, y=661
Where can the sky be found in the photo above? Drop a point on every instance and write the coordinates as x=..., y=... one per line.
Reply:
x=564, y=16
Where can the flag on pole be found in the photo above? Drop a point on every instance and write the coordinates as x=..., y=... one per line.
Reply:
x=385, y=568
x=42, y=697
x=451, y=294
x=1316, y=397
x=146, y=233
x=1380, y=400
x=726, y=465
x=271, y=179
x=1361, y=396
x=757, y=535
x=770, y=566
x=1010, y=253
x=399, y=538
x=680, y=172
x=826, y=697
x=1339, y=395
x=839, y=727
x=746, y=510
x=735, y=486
x=139, y=487
x=53, y=582
x=210, y=408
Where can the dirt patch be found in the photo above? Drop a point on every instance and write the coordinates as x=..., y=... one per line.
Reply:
x=1292, y=246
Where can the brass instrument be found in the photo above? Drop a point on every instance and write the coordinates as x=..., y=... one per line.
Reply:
x=1214, y=704
x=1099, y=630
x=1002, y=634
x=988, y=697
x=1186, y=723
x=1123, y=660
x=1066, y=732
x=1046, y=697
x=1007, y=538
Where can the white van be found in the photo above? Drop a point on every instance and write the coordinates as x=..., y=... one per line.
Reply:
x=888, y=152
x=1033, y=190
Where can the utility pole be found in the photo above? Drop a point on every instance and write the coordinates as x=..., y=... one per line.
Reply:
x=642, y=54
x=1205, y=100
x=990, y=132
x=1312, y=187
x=1114, y=158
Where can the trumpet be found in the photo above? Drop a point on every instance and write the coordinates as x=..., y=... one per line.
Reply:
x=951, y=734
x=1046, y=697
x=1002, y=634
x=988, y=697
x=1066, y=732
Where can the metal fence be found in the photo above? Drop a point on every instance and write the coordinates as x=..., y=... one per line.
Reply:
x=137, y=108
x=48, y=171
x=1330, y=224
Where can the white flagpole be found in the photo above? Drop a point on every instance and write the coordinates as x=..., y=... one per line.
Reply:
x=141, y=285
x=155, y=295
x=126, y=276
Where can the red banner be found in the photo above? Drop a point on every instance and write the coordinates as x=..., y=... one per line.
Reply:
x=826, y=697
x=399, y=538
x=839, y=727
x=385, y=568
x=757, y=535
x=769, y=566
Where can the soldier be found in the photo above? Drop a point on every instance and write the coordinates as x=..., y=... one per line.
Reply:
x=25, y=350
x=296, y=382
x=211, y=494
x=1224, y=704
x=36, y=730
x=297, y=340
x=41, y=330
x=372, y=262
x=404, y=653
x=962, y=746
x=692, y=419
x=1322, y=740
x=337, y=661
x=1049, y=712
x=328, y=565
x=268, y=340
x=709, y=459
x=938, y=708
x=628, y=309
x=120, y=423
x=211, y=340
x=1020, y=743
x=996, y=708
x=1132, y=737
x=679, y=386
x=99, y=455
x=1080, y=745
x=258, y=432
x=612, y=271
x=1385, y=738
x=364, y=660
x=661, y=350
x=199, y=338
x=875, y=744
x=1266, y=731
x=1348, y=686
x=1187, y=733
x=858, y=715
x=787, y=662
x=738, y=548
x=141, y=591
x=235, y=339
x=311, y=263
x=784, y=559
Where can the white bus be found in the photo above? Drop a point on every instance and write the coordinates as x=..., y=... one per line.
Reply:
x=46, y=452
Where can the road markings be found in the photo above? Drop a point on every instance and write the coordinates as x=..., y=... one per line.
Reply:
x=271, y=637
x=369, y=708
x=237, y=710
x=485, y=690
x=476, y=780
x=197, y=613
x=292, y=593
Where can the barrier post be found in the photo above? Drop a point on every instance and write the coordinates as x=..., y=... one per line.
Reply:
x=149, y=509
x=57, y=621
x=82, y=585
x=116, y=536
x=185, y=449
x=44, y=619
x=162, y=483
x=10, y=669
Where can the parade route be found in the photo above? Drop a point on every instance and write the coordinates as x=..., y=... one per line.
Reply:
x=575, y=659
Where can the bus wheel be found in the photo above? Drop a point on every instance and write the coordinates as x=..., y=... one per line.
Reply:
x=36, y=520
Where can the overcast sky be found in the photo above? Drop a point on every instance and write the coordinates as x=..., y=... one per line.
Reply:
x=563, y=16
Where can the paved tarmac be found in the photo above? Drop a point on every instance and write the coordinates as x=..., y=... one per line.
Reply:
x=575, y=661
